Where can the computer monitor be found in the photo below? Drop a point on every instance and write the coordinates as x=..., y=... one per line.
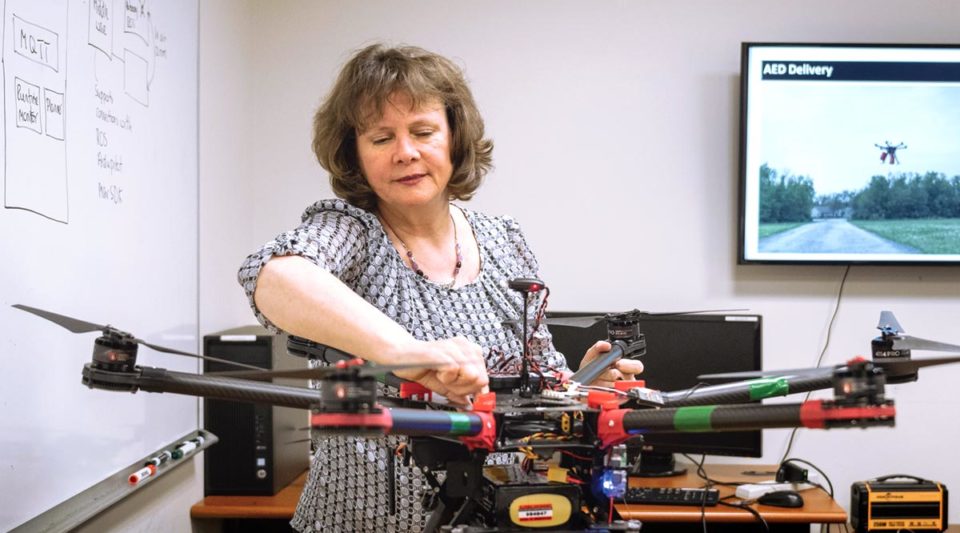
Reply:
x=679, y=348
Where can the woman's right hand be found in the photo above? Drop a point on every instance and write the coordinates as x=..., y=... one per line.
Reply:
x=454, y=367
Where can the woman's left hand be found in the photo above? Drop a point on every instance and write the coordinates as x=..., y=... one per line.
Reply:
x=623, y=369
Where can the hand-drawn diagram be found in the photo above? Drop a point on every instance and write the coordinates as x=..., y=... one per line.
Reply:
x=126, y=47
x=34, y=72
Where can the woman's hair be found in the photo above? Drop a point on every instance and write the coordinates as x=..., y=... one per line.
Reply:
x=362, y=89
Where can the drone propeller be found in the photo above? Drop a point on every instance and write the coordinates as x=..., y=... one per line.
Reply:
x=891, y=331
x=363, y=369
x=72, y=324
x=888, y=324
x=910, y=366
x=905, y=342
x=81, y=326
x=892, y=368
x=589, y=320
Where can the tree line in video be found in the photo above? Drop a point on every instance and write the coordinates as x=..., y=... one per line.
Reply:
x=788, y=198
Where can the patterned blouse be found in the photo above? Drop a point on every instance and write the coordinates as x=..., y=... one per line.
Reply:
x=347, y=486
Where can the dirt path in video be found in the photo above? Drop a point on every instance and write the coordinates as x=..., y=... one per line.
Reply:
x=831, y=236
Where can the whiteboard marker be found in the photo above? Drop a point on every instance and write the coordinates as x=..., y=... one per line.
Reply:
x=142, y=474
x=159, y=459
x=187, y=447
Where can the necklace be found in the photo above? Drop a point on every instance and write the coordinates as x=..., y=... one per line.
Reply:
x=413, y=262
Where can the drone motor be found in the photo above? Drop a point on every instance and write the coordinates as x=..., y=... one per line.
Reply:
x=349, y=395
x=624, y=327
x=859, y=383
x=115, y=351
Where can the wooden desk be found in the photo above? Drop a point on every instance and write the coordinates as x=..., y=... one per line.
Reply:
x=280, y=505
x=818, y=506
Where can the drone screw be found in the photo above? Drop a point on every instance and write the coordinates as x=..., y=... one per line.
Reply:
x=610, y=423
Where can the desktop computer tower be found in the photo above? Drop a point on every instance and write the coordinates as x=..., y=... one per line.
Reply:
x=262, y=448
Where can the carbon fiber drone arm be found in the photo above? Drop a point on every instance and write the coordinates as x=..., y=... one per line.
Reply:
x=398, y=421
x=618, y=425
x=151, y=379
x=751, y=390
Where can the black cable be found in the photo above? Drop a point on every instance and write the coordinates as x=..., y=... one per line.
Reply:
x=703, y=498
x=826, y=344
x=749, y=509
x=702, y=474
x=691, y=390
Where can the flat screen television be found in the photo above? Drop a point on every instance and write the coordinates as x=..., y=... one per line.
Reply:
x=850, y=153
x=679, y=348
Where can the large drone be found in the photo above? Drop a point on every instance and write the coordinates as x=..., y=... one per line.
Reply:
x=536, y=413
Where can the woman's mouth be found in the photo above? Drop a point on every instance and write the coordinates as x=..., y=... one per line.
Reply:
x=410, y=179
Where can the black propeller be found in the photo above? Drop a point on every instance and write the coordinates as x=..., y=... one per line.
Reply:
x=363, y=369
x=81, y=326
x=894, y=369
x=588, y=320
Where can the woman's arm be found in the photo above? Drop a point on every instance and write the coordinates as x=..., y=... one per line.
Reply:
x=305, y=300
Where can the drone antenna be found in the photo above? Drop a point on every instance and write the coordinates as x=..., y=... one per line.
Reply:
x=525, y=286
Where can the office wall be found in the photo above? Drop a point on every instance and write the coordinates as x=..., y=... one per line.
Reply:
x=616, y=127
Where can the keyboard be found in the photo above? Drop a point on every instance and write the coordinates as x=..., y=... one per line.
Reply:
x=671, y=496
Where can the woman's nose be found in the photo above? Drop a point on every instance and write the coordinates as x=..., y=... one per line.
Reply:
x=406, y=150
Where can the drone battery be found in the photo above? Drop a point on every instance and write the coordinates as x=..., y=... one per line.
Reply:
x=262, y=448
x=885, y=504
x=514, y=499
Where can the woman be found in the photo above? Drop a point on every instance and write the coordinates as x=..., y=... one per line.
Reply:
x=394, y=272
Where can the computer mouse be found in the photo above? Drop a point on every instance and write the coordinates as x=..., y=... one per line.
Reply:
x=782, y=498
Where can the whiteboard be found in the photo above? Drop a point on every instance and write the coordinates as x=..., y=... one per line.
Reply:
x=99, y=222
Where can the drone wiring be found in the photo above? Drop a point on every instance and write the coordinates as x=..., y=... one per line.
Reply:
x=575, y=456
x=618, y=392
x=526, y=443
x=528, y=335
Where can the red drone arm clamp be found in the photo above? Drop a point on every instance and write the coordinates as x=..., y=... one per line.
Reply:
x=813, y=413
x=483, y=405
x=610, y=422
x=599, y=399
x=412, y=389
x=625, y=385
x=610, y=427
x=381, y=421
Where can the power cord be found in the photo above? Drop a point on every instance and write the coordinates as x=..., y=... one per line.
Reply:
x=826, y=344
x=709, y=482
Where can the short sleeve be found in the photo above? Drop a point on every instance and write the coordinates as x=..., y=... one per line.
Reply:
x=330, y=237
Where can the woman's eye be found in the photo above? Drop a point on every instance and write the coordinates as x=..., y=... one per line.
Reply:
x=424, y=133
x=379, y=140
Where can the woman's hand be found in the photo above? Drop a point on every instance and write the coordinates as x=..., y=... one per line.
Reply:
x=623, y=369
x=456, y=367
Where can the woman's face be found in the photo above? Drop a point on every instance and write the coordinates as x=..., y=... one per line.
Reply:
x=405, y=154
